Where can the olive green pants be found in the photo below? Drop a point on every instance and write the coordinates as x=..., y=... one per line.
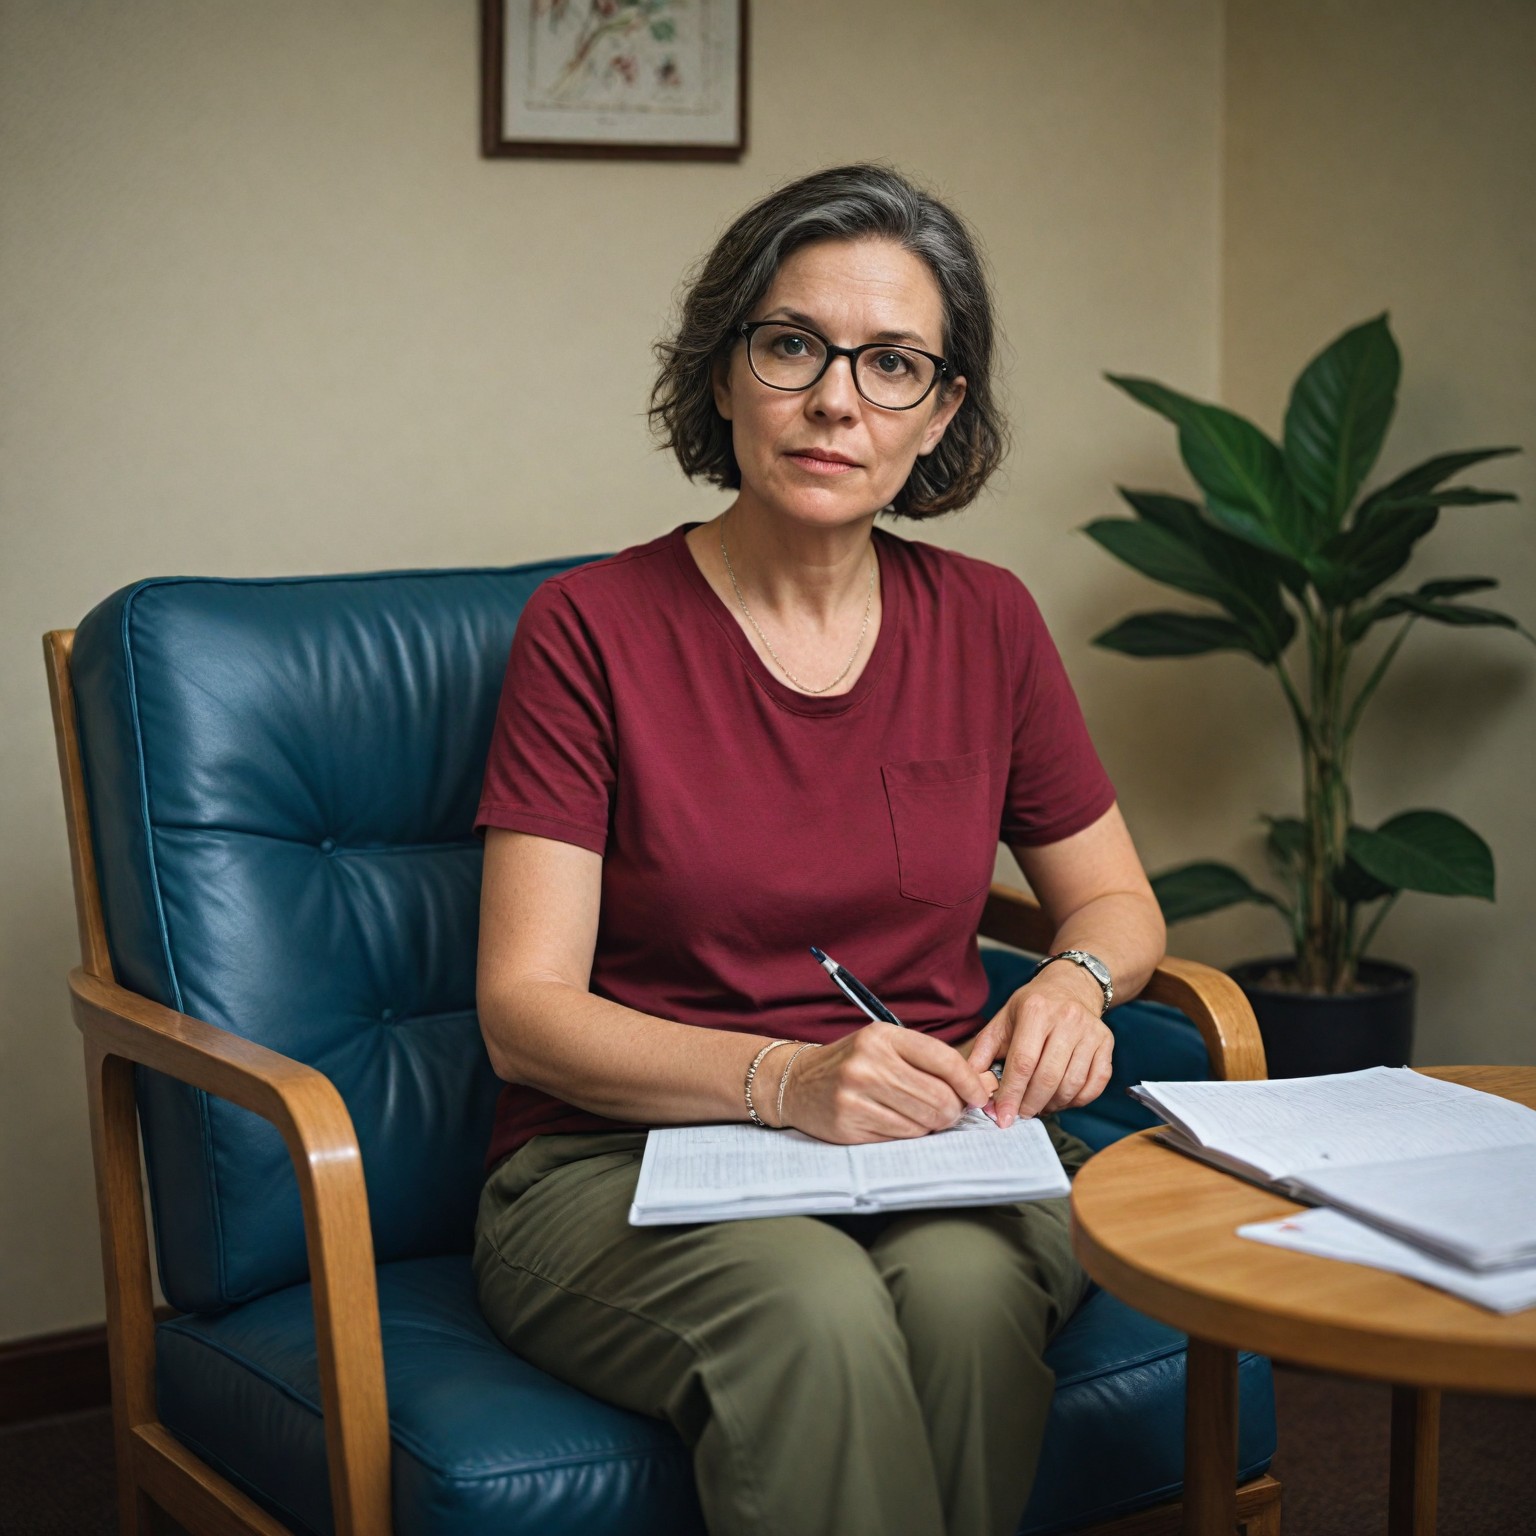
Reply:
x=845, y=1375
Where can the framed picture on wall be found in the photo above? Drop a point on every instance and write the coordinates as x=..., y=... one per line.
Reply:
x=614, y=79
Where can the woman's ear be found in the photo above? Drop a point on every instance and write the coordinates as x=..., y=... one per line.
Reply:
x=720, y=384
x=943, y=414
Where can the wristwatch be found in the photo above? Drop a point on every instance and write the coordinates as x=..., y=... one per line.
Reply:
x=1090, y=963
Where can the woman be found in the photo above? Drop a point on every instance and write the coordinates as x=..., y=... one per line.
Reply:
x=779, y=728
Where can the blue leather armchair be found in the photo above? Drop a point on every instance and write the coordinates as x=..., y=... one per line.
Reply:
x=270, y=787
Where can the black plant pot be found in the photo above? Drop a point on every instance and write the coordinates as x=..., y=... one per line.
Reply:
x=1310, y=1033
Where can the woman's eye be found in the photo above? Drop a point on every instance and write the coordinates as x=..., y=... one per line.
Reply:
x=894, y=363
x=791, y=346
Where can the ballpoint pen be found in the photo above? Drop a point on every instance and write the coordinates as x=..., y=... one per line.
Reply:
x=865, y=1000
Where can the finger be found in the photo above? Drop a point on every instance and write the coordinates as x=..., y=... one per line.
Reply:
x=865, y=1121
x=1079, y=1065
x=883, y=1074
x=1098, y=1077
x=937, y=1060
x=989, y=1045
x=1047, y=1075
x=1023, y=1057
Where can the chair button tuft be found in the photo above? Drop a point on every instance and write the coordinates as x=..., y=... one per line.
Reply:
x=327, y=845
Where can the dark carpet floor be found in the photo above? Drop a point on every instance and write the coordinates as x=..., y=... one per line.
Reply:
x=56, y=1475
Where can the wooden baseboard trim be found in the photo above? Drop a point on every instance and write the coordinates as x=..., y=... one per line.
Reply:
x=54, y=1373
x=57, y=1373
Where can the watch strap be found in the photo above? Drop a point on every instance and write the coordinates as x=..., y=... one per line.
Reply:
x=1090, y=963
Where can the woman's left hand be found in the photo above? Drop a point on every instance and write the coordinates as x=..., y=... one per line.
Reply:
x=1058, y=1050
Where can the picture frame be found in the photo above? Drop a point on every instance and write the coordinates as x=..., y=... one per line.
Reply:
x=613, y=79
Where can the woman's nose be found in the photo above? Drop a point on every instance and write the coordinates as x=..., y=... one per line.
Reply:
x=834, y=393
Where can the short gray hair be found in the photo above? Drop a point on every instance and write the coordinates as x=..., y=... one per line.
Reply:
x=848, y=202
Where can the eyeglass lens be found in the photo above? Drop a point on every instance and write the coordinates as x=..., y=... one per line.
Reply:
x=784, y=357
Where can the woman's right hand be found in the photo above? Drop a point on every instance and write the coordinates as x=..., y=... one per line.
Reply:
x=882, y=1083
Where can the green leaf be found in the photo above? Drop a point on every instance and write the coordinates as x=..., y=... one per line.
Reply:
x=1174, y=634
x=1286, y=844
x=1424, y=477
x=1255, y=573
x=1354, y=884
x=1454, y=586
x=1425, y=851
x=1165, y=556
x=1457, y=496
x=1355, y=562
x=1243, y=474
x=1463, y=615
x=1175, y=513
x=1192, y=890
x=1157, y=552
x=1337, y=419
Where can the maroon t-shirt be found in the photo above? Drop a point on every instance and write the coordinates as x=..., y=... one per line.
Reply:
x=740, y=822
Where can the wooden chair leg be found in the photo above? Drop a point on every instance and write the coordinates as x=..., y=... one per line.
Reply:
x=125, y=1259
x=1262, y=1522
x=1415, y=1477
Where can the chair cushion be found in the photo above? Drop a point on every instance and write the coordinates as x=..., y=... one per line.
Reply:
x=283, y=778
x=485, y=1442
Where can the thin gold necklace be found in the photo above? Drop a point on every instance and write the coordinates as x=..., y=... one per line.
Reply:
x=869, y=602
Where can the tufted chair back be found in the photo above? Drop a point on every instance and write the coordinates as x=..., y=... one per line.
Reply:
x=283, y=777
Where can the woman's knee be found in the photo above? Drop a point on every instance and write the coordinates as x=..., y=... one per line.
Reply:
x=812, y=1290
x=979, y=1276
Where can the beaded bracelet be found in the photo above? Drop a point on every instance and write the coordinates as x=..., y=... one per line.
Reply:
x=757, y=1061
x=806, y=1045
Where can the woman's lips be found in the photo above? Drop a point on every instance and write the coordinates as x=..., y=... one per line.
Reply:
x=820, y=466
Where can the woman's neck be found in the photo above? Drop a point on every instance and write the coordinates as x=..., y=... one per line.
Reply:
x=795, y=570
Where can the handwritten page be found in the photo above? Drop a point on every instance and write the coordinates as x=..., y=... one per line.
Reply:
x=726, y=1172
x=975, y=1156
x=712, y=1165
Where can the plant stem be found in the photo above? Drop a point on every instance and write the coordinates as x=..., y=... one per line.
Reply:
x=1368, y=687
x=1324, y=960
x=1370, y=933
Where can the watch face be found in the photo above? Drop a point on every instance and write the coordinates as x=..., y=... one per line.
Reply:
x=1097, y=969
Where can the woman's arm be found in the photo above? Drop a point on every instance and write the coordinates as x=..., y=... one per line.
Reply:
x=1058, y=1050
x=538, y=932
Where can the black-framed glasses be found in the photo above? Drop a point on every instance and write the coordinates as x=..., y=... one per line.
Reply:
x=793, y=357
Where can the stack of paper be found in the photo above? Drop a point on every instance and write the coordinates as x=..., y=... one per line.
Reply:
x=1423, y=1177
x=1333, y=1235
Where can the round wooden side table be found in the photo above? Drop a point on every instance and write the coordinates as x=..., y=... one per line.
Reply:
x=1159, y=1230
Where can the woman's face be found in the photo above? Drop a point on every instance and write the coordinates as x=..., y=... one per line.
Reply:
x=825, y=456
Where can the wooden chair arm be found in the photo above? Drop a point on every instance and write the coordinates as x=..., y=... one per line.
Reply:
x=1210, y=998
x=122, y=1028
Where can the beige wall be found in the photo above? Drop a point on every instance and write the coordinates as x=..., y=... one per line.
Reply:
x=1379, y=155
x=264, y=310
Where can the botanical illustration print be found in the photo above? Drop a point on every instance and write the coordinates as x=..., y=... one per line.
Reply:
x=646, y=56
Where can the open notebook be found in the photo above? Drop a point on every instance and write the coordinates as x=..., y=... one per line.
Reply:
x=726, y=1172
x=1448, y=1168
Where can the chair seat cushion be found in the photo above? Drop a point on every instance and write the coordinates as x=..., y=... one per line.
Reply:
x=485, y=1443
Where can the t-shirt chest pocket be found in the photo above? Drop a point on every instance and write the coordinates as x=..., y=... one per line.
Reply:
x=945, y=826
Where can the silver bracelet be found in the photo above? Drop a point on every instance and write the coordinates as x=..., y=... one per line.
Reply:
x=778, y=1113
x=757, y=1061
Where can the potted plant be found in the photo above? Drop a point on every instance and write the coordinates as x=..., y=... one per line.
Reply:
x=1298, y=564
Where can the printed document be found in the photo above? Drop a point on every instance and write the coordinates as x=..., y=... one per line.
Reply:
x=1332, y=1235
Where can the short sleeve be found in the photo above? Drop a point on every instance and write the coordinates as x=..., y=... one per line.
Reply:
x=550, y=770
x=1056, y=783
